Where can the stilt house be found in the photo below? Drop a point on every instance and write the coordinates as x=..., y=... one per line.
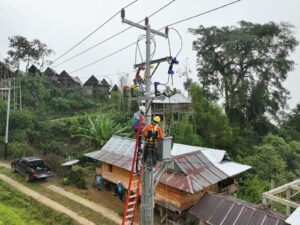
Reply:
x=193, y=172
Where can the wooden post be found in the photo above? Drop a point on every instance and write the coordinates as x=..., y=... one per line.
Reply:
x=272, y=187
x=288, y=197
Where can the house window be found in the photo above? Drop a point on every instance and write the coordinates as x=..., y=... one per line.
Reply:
x=110, y=167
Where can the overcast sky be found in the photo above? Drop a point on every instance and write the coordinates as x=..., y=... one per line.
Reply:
x=62, y=23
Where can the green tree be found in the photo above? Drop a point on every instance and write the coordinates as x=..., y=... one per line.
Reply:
x=289, y=152
x=290, y=127
x=251, y=189
x=245, y=65
x=267, y=163
x=211, y=123
x=19, y=51
x=183, y=132
x=22, y=50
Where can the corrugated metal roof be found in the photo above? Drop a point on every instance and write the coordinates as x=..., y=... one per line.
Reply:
x=118, y=151
x=178, y=98
x=216, y=209
x=199, y=168
x=215, y=156
x=294, y=218
x=70, y=163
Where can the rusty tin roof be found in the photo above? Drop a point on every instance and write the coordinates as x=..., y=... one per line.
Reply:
x=216, y=209
x=195, y=170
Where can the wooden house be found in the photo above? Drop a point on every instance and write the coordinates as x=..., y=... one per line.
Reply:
x=93, y=86
x=34, y=71
x=176, y=106
x=52, y=76
x=115, y=88
x=216, y=209
x=5, y=72
x=105, y=86
x=67, y=81
x=193, y=171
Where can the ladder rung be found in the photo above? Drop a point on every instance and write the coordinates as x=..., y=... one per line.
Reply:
x=131, y=203
x=129, y=216
x=135, y=188
x=130, y=210
x=132, y=196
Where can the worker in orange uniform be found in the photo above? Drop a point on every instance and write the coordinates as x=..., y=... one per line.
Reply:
x=152, y=133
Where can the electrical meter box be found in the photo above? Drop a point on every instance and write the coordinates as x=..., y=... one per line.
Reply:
x=164, y=148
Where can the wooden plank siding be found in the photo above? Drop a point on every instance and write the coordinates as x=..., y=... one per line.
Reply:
x=175, y=198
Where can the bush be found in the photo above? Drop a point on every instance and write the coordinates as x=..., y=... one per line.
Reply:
x=16, y=150
x=54, y=162
x=60, y=104
x=77, y=177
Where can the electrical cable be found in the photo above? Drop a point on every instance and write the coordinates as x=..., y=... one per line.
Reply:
x=111, y=37
x=90, y=34
x=105, y=57
x=127, y=46
x=203, y=13
x=141, y=37
x=138, y=48
x=181, y=42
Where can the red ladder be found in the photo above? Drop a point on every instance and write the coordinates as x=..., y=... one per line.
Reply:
x=133, y=191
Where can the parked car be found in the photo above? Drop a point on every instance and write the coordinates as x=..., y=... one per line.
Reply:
x=32, y=167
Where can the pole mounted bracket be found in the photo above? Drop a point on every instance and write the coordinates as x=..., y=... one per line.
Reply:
x=123, y=14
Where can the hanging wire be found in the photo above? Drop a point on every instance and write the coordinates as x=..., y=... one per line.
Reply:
x=131, y=44
x=154, y=49
x=93, y=32
x=181, y=41
x=206, y=12
x=141, y=37
x=111, y=37
x=138, y=48
x=170, y=51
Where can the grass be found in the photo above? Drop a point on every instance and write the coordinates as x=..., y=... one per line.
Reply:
x=18, y=209
x=91, y=215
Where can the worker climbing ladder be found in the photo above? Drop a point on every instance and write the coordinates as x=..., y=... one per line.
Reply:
x=133, y=191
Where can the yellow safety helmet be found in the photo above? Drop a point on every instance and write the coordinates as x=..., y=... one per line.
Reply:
x=156, y=119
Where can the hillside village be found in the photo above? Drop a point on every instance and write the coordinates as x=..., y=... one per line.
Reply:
x=220, y=147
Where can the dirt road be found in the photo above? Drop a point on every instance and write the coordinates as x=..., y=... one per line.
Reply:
x=108, y=213
x=46, y=201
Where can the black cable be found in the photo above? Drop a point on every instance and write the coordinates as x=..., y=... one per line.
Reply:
x=206, y=12
x=200, y=14
x=90, y=34
x=111, y=37
x=83, y=67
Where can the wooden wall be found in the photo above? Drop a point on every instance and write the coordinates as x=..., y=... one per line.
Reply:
x=163, y=193
x=180, y=199
x=117, y=174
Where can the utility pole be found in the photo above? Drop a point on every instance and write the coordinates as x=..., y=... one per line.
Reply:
x=7, y=118
x=147, y=175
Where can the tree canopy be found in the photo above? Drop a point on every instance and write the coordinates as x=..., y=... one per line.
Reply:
x=22, y=50
x=245, y=65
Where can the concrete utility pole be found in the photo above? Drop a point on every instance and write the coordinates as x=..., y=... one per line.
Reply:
x=7, y=119
x=147, y=176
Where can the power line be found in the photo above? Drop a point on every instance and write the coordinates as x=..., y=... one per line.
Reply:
x=105, y=57
x=172, y=24
x=90, y=34
x=203, y=13
x=111, y=37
